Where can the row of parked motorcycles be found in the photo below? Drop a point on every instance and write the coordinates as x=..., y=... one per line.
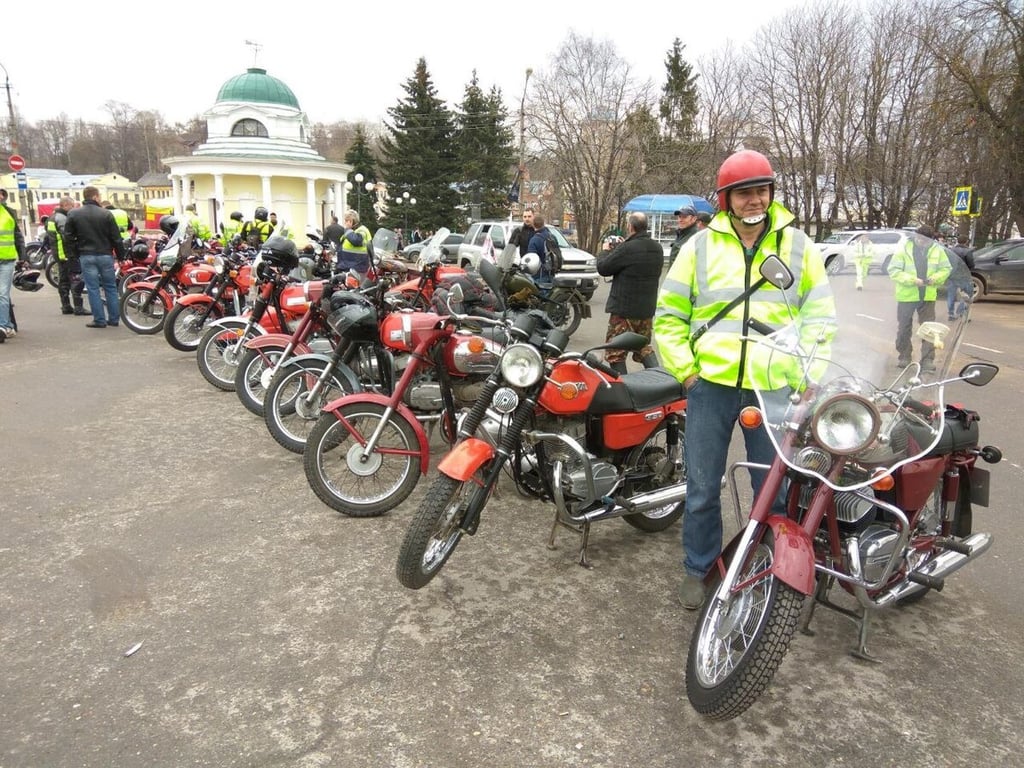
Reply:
x=878, y=472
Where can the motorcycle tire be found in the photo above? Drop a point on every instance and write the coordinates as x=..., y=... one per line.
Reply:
x=216, y=356
x=641, y=474
x=182, y=327
x=737, y=646
x=139, y=317
x=249, y=375
x=565, y=316
x=52, y=271
x=35, y=255
x=434, y=531
x=348, y=485
x=288, y=413
x=127, y=279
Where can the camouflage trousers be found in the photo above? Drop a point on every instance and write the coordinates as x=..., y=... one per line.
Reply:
x=617, y=325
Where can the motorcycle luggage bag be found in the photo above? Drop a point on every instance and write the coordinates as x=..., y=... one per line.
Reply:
x=959, y=432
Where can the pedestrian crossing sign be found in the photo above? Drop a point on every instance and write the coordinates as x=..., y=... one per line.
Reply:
x=962, y=201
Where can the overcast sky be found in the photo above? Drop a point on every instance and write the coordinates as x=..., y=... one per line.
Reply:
x=73, y=57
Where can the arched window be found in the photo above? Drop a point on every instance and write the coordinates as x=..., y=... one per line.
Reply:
x=249, y=127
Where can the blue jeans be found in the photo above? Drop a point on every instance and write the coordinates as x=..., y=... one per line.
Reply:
x=711, y=414
x=98, y=271
x=952, y=289
x=6, y=281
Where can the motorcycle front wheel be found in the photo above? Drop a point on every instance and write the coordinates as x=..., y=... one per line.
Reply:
x=35, y=255
x=345, y=481
x=218, y=352
x=140, y=315
x=183, y=326
x=288, y=410
x=739, y=643
x=250, y=375
x=434, y=531
x=52, y=271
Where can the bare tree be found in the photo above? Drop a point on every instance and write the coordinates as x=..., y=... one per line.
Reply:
x=579, y=114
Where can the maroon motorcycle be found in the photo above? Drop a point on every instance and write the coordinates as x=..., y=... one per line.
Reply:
x=871, y=489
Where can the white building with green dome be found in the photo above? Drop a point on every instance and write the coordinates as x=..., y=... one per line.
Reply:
x=258, y=154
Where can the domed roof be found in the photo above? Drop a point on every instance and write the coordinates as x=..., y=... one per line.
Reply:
x=257, y=85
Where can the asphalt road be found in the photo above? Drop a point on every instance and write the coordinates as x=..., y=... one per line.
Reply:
x=140, y=505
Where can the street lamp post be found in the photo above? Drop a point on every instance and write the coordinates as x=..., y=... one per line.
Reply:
x=359, y=195
x=522, y=134
x=13, y=129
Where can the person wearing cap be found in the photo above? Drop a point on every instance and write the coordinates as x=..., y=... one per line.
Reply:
x=703, y=219
x=686, y=216
x=701, y=334
x=917, y=268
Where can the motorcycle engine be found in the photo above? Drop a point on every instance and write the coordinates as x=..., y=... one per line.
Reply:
x=423, y=394
x=574, y=477
x=877, y=544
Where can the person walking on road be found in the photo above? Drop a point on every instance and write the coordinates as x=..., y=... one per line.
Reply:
x=92, y=233
x=863, y=255
x=959, y=286
x=12, y=250
x=699, y=332
x=70, y=284
x=635, y=268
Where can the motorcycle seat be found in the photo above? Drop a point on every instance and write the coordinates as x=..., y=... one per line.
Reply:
x=956, y=435
x=638, y=391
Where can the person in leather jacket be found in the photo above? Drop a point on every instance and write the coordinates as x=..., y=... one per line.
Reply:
x=92, y=234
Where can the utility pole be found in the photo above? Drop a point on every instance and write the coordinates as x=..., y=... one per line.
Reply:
x=13, y=129
x=522, y=135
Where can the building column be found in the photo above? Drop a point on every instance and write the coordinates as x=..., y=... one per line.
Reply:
x=268, y=198
x=186, y=191
x=312, y=214
x=218, y=202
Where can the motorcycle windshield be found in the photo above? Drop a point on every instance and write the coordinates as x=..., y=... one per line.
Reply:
x=385, y=244
x=837, y=399
x=431, y=253
x=179, y=243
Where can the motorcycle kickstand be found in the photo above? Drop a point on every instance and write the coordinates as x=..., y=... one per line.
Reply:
x=582, y=530
x=820, y=595
x=860, y=618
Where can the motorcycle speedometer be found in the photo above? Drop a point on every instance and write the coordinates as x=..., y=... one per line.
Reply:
x=845, y=424
x=522, y=365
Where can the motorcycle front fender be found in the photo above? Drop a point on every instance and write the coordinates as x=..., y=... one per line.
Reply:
x=401, y=409
x=570, y=296
x=466, y=458
x=195, y=298
x=278, y=341
x=341, y=371
x=165, y=296
x=792, y=557
x=232, y=322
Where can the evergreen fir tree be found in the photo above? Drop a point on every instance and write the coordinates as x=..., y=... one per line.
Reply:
x=360, y=156
x=417, y=156
x=484, y=146
x=678, y=104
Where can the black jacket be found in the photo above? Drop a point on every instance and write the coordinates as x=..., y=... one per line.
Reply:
x=92, y=229
x=635, y=266
x=682, y=235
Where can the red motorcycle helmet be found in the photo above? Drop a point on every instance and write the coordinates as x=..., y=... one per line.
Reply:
x=743, y=169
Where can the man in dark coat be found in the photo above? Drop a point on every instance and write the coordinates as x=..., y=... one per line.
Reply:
x=635, y=268
x=94, y=238
x=688, y=227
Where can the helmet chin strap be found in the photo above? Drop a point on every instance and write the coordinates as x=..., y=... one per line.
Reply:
x=750, y=220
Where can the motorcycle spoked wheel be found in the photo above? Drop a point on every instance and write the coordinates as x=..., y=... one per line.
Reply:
x=216, y=355
x=35, y=255
x=52, y=271
x=127, y=279
x=649, y=458
x=287, y=410
x=434, y=531
x=182, y=327
x=342, y=480
x=249, y=376
x=738, y=644
x=565, y=316
x=139, y=317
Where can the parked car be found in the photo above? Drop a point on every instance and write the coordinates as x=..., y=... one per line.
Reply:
x=999, y=268
x=574, y=260
x=449, y=248
x=838, y=248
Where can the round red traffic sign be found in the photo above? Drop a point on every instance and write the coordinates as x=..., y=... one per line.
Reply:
x=17, y=162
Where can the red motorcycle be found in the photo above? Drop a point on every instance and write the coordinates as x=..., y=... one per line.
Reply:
x=570, y=431
x=279, y=305
x=366, y=452
x=871, y=489
x=225, y=294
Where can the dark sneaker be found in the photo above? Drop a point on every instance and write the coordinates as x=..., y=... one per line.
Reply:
x=82, y=312
x=95, y=325
x=901, y=363
x=927, y=367
x=691, y=592
x=113, y=324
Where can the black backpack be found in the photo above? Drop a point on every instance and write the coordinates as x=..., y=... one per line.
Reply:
x=552, y=255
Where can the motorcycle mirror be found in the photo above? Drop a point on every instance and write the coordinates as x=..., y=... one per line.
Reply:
x=455, y=294
x=775, y=272
x=979, y=374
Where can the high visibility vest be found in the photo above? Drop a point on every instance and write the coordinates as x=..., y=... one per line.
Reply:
x=57, y=234
x=230, y=228
x=903, y=272
x=8, y=250
x=121, y=218
x=260, y=228
x=709, y=272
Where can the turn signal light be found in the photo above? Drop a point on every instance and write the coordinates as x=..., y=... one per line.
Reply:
x=568, y=391
x=476, y=345
x=886, y=483
x=751, y=418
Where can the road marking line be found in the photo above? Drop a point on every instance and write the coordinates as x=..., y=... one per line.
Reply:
x=985, y=349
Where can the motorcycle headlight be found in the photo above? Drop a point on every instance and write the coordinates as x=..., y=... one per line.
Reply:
x=522, y=365
x=846, y=424
x=218, y=265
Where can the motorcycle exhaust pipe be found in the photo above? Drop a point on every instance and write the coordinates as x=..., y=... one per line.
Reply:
x=671, y=494
x=938, y=568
